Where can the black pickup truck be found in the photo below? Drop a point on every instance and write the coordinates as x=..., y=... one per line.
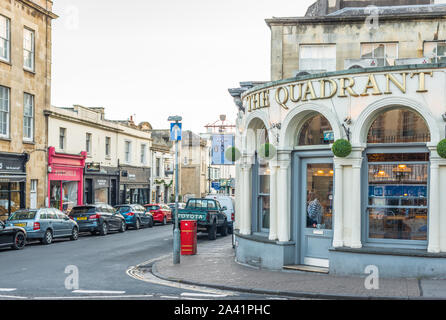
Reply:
x=209, y=215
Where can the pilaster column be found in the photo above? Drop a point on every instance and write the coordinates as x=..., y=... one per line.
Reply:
x=273, y=202
x=338, y=231
x=283, y=196
x=245, y=214
x=434, y=207
x=356, y=204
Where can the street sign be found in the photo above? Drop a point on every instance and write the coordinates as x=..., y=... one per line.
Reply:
x=216, y=185
x=175, y=131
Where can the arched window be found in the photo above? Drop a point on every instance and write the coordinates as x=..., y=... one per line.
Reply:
x=398, y=126
x=316, y=131
x=397, y=207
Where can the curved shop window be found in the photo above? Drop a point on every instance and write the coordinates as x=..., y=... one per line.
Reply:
x=315, y=131
x=397, y=177
x=261, y=184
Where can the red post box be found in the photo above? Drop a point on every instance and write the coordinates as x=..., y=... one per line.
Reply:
x=188, y=237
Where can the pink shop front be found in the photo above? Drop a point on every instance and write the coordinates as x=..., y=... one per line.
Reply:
x=65, y=179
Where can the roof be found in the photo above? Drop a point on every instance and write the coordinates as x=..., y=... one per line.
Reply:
x=391, y=10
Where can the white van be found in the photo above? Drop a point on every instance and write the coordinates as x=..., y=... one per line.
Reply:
x=228, y=202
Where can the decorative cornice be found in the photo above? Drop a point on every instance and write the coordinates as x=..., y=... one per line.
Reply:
x=39, y=8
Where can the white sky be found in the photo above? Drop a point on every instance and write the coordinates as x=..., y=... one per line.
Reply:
x=152, y=59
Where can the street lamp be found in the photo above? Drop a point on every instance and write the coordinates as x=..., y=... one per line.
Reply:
x=175, y=135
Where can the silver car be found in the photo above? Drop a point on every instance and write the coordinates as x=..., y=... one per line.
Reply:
x=44, y=224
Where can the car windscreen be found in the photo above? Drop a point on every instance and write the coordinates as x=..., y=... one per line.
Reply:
x=23, y=215
x=123, y=209
x=148, y=208
x=76, y=211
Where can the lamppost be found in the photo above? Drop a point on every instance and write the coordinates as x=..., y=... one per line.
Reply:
x=175, y=135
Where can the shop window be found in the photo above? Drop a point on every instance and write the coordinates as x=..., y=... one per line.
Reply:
x=397, y=204
x=384, y=53
x=264, y=195
x=316, y=131
x=398, y=126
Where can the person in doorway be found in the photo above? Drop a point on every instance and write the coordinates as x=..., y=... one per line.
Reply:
x=314, y=211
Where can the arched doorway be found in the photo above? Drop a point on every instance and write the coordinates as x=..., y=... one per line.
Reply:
x=312, y=190
x=396, y=177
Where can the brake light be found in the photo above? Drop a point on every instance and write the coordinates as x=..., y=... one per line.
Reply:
x=94, y=216
x=233, y=216
x=131, y=214
x=36, y=226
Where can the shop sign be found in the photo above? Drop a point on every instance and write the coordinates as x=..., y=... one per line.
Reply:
x=12, y=165
x=342, y=87
x=101, y=183
x=93, y=167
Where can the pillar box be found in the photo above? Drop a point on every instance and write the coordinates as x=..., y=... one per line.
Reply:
x=188, y=237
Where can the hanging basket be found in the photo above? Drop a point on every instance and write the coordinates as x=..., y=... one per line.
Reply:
x=341, y=148
x=441, y=148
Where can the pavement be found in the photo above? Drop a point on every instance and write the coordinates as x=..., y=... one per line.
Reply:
x=215, y=266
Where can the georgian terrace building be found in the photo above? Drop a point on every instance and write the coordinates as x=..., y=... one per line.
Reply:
x=95, y=160
x=384, y=90
x=25, y=91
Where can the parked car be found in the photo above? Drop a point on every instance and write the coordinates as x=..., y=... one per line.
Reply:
x=181, y=205
x=208, y=213
x=44, y=224
x=96, y=218
x=14, y=237
x=160, y=212
x=229, y=203
x=135, y=215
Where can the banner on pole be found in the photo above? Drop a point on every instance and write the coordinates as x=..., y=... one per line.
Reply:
x=220, y=143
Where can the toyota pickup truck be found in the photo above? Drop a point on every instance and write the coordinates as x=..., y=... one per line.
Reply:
x=208, y=213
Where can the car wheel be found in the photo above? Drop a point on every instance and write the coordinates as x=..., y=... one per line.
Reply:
x=48, y=237
x=137, y=224
x=151, y=223
x=74, y=234
x=123, y=227
x=212, y=232
x=164, y=220
x=19, y=241
x=104, y=229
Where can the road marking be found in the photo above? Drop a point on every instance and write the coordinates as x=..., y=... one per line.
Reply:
x=12, y=297
x=170, y=297
x=94, y=297
x=7, y=289
x=149, y=277
x=191, y=294
x=98, y=292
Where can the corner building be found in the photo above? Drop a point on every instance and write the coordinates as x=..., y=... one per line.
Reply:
x=382, y=87
x=25, y=91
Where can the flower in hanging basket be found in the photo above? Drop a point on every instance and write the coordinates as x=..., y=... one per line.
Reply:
x=341, y=148
x=441, y=148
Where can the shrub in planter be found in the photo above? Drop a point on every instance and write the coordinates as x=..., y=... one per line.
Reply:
x=341, y=148
x=441, y=148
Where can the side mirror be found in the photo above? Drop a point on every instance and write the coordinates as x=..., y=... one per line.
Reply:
x=224, y=208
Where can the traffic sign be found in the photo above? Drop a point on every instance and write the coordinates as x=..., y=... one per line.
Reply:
x=175, y=131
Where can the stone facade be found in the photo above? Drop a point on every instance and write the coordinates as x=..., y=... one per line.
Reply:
x=194, y=157
x=36, y=16
x=407, y=28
